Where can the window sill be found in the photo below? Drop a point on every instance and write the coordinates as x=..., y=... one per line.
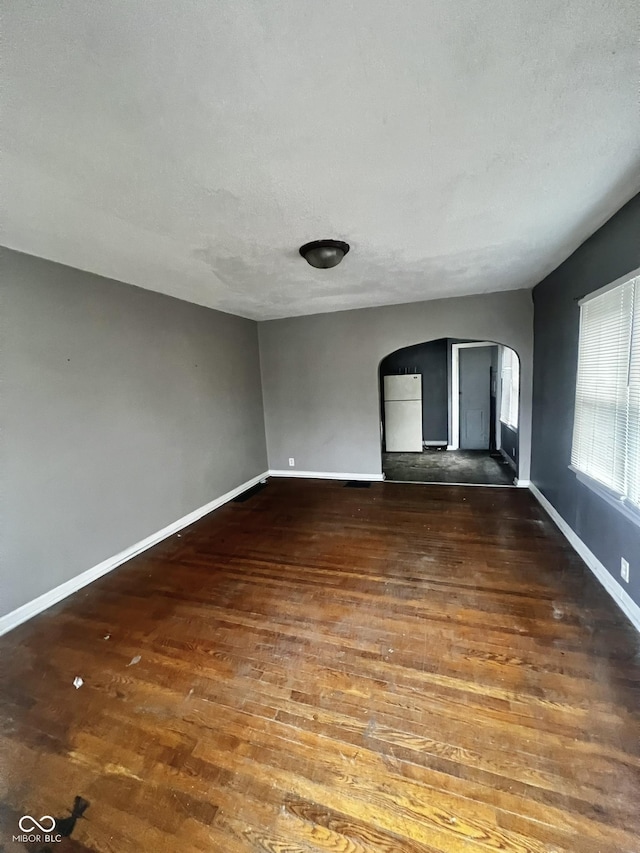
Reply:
x=614, y=500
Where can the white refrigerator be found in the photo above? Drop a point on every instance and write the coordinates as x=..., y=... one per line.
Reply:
x=403, y=413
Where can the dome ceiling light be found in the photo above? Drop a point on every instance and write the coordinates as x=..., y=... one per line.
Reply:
x=323, y=254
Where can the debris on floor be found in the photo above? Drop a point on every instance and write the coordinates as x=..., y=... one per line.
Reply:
x=134, y=660
x=66, y=825
x=77, y=682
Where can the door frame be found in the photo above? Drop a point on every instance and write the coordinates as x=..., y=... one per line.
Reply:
x=454, y=437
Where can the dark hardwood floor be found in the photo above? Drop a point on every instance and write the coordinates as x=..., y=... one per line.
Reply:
x=400, y=668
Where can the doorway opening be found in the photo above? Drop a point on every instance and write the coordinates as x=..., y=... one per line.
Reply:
x=449, y=413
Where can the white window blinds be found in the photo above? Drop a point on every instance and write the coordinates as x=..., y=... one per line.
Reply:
x=509, y=388
x=633, y=419
x=606, y=431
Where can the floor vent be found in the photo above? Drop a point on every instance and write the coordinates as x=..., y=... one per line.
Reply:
x=357, y=484
x=249, y=493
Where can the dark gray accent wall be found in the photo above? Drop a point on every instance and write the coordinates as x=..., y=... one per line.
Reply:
x=122, y=411
x=509, y=441
x=610, y=253
x=430, y=360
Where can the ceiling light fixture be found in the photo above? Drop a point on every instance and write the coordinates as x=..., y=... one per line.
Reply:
x=323, y=254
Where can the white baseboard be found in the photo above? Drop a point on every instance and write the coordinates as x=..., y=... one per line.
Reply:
x=325, y=475
x=619, y=595
x=47, y=599
x=522, y=484
x=434, y=443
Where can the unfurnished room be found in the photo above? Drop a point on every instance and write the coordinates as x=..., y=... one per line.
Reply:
x=320, y=426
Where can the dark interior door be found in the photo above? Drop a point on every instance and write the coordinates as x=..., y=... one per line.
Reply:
x=475, y=402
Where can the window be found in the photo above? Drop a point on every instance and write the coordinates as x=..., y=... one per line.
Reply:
x=510, y=388
x=606, y=431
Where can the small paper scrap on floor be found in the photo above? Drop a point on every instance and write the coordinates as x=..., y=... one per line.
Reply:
x=77, y=682
x=135, y=660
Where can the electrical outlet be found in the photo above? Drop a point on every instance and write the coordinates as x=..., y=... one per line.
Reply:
x=624, y=569
x=292, y=462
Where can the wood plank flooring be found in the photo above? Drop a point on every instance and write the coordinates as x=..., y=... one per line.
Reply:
x=401, y=668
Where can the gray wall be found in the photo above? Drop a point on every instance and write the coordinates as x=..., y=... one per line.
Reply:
x=430, y=360
x=320, y=373
x=122, y=411
x=610, y=253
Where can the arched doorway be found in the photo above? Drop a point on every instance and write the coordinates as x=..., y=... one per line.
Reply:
x=449, y=413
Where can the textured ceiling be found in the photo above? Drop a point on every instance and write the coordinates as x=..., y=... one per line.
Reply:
x=190, y=146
